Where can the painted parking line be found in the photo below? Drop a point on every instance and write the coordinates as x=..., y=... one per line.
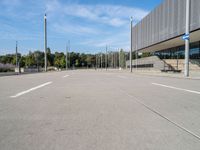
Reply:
x=176, y=88
x=65, y=76
x=30, y=90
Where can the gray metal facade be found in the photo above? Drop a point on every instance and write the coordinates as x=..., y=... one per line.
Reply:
x=165, y=22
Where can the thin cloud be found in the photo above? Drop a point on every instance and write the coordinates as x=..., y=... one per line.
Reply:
x=113, y=15
x=90, y=25
x=115, y=41
x=74, y=29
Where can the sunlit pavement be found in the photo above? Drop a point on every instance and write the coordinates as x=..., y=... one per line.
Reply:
x=95, y=110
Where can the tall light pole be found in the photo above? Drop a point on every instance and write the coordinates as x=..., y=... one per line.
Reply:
x=45, y=43
x=16, y=54
x=187, y=40
x=131, y=45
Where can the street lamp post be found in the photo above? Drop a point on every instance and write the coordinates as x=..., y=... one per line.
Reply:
x=131, y=45
x=45, y=42
x=187, y=41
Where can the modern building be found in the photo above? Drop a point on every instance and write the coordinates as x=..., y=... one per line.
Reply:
x=161, y=31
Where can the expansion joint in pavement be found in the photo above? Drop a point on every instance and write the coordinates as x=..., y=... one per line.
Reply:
x=162, y=116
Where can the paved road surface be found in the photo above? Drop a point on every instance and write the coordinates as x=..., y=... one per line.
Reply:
x=98, y=110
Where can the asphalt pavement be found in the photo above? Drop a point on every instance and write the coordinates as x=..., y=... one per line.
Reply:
x=99, y=110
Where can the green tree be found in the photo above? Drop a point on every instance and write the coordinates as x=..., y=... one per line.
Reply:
x=59, y=60
x=146, y=54
x=50, y=57
x=22, y=61
x=30, y=60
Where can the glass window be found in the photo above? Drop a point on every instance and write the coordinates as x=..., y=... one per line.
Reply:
x=179, y=52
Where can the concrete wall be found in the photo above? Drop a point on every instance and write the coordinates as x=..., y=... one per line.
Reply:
x=165, y=64
x=153, y=60
x=165, y=22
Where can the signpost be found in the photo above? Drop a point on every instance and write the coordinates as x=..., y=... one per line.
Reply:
x=186, y=37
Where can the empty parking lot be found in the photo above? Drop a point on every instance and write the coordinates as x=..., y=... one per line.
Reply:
x=87, y=110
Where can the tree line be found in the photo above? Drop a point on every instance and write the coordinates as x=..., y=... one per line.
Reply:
x=58, y=59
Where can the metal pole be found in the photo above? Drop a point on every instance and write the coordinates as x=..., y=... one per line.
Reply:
x=45, y=42
x=16, y=55
x=187, y=41
x=131, y=46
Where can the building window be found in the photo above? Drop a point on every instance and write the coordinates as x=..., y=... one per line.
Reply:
x=179, y=52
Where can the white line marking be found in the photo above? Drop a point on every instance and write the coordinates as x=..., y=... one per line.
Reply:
x=32, y=89
x=65, y=76
x=122, y=77
x=180, y=89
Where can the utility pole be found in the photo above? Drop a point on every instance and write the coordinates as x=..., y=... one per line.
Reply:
x=131, y=45
x=187, y=41
x=16, y=54
x=45, y=43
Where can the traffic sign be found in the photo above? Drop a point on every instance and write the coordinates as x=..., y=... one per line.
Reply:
x=186, y=37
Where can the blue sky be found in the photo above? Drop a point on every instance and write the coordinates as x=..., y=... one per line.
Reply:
x=90, y=25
